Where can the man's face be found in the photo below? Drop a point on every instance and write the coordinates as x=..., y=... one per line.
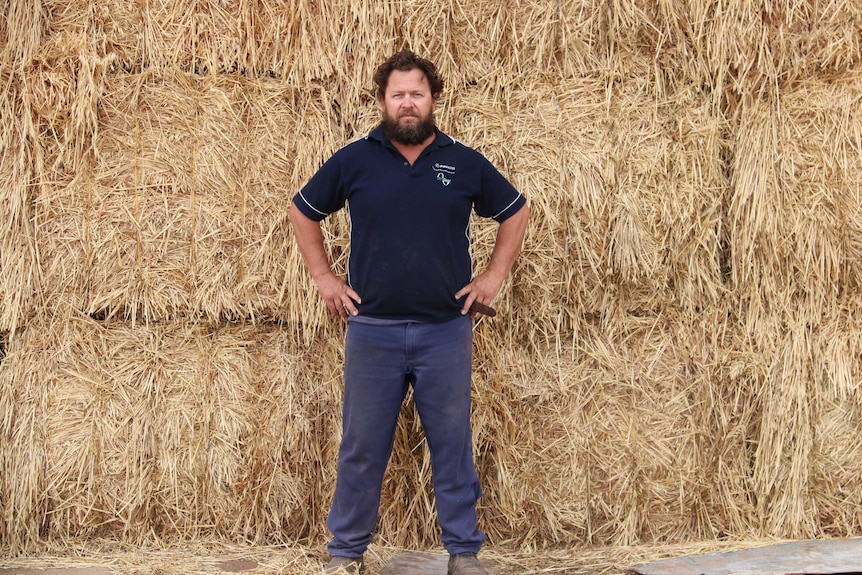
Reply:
x=408, y=107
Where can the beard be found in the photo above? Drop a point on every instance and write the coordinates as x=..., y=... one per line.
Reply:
x=410, y=134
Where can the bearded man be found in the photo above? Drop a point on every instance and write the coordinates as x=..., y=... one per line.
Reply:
x=408, y=299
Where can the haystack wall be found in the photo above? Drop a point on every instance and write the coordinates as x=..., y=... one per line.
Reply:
x=677, y=355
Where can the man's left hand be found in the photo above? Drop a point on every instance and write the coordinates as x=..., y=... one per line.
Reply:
x=482, y=289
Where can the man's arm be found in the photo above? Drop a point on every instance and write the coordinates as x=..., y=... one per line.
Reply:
x=339, y=297
x=486, y=285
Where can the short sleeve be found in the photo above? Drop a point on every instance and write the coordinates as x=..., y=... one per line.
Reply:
x=498, y=199
x=324, y=193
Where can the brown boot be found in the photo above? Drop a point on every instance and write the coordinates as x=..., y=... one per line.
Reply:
x=465, y=564
x=345, y=566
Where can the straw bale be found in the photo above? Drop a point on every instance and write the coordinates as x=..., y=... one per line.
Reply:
x=736, y=48
x=626, y=194
x=809, y=396
x=624, y=443
x=21, y=30
x=835, y=475
x=341, y=41
x=22, y=453
x=18, y=267
x=666, y=187
x=795, y=215
x=482, y=42
x=663, y=428
x=64, y=83
x=175, y=141
x=301, y=41
x=181, y=209
x=298, y=41
x=182, y=429
x=835, y=472
x=676, y=37
x=189, y=34
x=757, y=45
x=230, y=431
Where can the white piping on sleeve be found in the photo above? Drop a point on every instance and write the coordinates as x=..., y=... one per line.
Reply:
x=350, y=242
x=307, y=203
x=507, y=207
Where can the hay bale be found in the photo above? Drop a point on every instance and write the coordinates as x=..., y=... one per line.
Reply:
x=677, y=351
x=341, y=41
x=759, y=47
x=736, y=49
x=166, y=148
x=19, y=278
x=63, y=84
x=188, y=430
x=17, y=267
x=622, y=200
x=795, y=217
x=21, y=31
x=298, y=43
x=615, y=444
x=801, y=471
x=793, y=225
x=181, y=209
x=178, y=430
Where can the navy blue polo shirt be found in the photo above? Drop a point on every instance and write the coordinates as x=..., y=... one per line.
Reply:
x=409, y=225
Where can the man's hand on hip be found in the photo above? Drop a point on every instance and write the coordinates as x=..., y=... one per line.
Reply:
x=339, y=297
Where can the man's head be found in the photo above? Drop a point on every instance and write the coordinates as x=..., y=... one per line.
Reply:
x=407, y=89
x=405, y=61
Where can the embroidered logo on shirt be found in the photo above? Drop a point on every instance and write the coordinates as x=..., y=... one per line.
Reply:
x=444, y=170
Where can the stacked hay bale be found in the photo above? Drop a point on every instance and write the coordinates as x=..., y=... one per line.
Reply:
x=677, y=355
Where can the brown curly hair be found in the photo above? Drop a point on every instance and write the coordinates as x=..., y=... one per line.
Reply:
x=405, y=60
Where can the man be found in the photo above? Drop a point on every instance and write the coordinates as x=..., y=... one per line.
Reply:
x=410, y=191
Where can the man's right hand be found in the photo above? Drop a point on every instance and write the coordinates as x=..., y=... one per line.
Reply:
x=340, y=298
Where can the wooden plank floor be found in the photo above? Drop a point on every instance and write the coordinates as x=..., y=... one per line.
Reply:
x=821, y=557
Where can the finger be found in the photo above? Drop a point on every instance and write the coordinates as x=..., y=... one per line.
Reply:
x=353, y=296
x=335, y=308
x=348, y=308
x=349, y=300
x=336, y=305
x=468, y=304
x=464, y=291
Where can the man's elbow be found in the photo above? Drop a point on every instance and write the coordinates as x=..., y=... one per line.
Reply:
x=521, y=217
x=295, y=215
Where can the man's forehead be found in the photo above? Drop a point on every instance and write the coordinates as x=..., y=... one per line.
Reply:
x=407, y=78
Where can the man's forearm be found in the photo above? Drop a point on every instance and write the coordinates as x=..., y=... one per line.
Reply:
x=510, y=237
x=339, y=297
x=309, y=238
